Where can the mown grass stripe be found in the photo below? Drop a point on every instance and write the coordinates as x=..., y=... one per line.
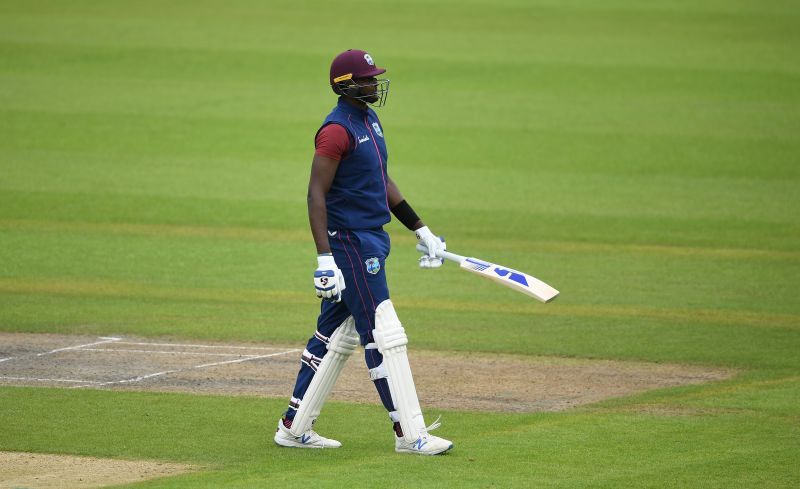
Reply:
x=158, y=230
x=123, y=289
x=684, y=403
x=296, y=235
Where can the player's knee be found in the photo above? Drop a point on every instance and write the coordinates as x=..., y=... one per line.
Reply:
x=345, y=339
x=389, y=332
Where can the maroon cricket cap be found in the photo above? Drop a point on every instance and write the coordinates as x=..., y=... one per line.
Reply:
x=353, y=63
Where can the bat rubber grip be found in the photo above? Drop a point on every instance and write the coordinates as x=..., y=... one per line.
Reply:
x=442, y=254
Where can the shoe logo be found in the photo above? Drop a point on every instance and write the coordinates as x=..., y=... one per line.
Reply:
x=419, y=443
x=332, y=233
x=364, y=139
x=304, y=439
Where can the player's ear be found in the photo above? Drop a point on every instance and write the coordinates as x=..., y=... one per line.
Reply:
x=344, y=88
x=350, y=89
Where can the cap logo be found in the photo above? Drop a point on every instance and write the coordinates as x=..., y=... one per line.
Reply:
x=343, y=78
x=368, y=58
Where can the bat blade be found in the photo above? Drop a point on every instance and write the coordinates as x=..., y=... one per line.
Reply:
x=513, y=279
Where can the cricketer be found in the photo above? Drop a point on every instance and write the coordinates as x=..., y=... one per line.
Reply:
x=350, y=198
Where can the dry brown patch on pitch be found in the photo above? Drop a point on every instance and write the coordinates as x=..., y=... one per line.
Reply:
x=445, y=380
x=35, y=470
x=490, y=382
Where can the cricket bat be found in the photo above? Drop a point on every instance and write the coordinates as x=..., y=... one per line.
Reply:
x=513, y=279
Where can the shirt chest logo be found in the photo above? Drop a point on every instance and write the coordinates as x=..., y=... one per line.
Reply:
x=377, y=128
x=363, y=139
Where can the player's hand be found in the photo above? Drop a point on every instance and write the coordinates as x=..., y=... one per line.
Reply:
x=434, y=244
x=328, y=279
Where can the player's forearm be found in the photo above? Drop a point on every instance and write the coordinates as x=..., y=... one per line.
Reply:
x=318, y=219
x=323, y=170
x=393, y=194
x=400, y=208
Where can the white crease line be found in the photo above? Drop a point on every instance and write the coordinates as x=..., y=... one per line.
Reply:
x=92, y=382
x=158, y=374
x=245, y=359
x=105, y=340
x=135, y=379
x=202, y=353
x=198, y=346
x=6, y=359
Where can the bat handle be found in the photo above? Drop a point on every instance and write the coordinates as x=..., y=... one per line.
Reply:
x=443, y=254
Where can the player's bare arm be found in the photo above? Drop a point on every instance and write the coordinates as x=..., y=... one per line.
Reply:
x=323, y=169
x=395, y=197
x=328, y=279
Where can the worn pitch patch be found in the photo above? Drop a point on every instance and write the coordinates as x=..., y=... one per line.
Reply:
x=28, y=470
x=445, y=380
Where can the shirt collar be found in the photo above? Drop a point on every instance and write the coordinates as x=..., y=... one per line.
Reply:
x=343, y=104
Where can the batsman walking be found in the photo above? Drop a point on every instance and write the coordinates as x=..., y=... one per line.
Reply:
x=350, y=198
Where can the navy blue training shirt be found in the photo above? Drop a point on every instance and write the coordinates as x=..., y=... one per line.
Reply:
x=357, y=197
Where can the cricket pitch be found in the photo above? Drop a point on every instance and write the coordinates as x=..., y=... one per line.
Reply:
x=445, y=380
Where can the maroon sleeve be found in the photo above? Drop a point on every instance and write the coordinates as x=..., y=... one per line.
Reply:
x=333, y=142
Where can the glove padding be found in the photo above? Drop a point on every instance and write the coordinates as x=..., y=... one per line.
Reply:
x=434, y=244
x=328, y=279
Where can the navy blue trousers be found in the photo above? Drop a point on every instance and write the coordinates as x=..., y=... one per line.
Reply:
x=361, y=256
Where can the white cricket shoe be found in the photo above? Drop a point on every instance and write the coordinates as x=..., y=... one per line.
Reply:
x=309, y=439
x=426, y=444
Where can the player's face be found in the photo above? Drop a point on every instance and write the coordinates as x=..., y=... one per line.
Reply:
x=368, y=88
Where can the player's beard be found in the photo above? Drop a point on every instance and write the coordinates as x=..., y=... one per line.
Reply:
x=369, y=97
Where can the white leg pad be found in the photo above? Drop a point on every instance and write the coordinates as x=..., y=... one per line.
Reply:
x=392, y=340
x=343, y=343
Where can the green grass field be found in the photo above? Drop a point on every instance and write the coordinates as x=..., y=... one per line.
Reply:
x=642, y=157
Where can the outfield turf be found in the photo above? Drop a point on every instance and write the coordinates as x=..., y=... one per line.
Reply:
x=642, y=157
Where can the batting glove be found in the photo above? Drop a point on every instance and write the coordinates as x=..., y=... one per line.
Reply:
x=433, y=244
x=328, y=279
